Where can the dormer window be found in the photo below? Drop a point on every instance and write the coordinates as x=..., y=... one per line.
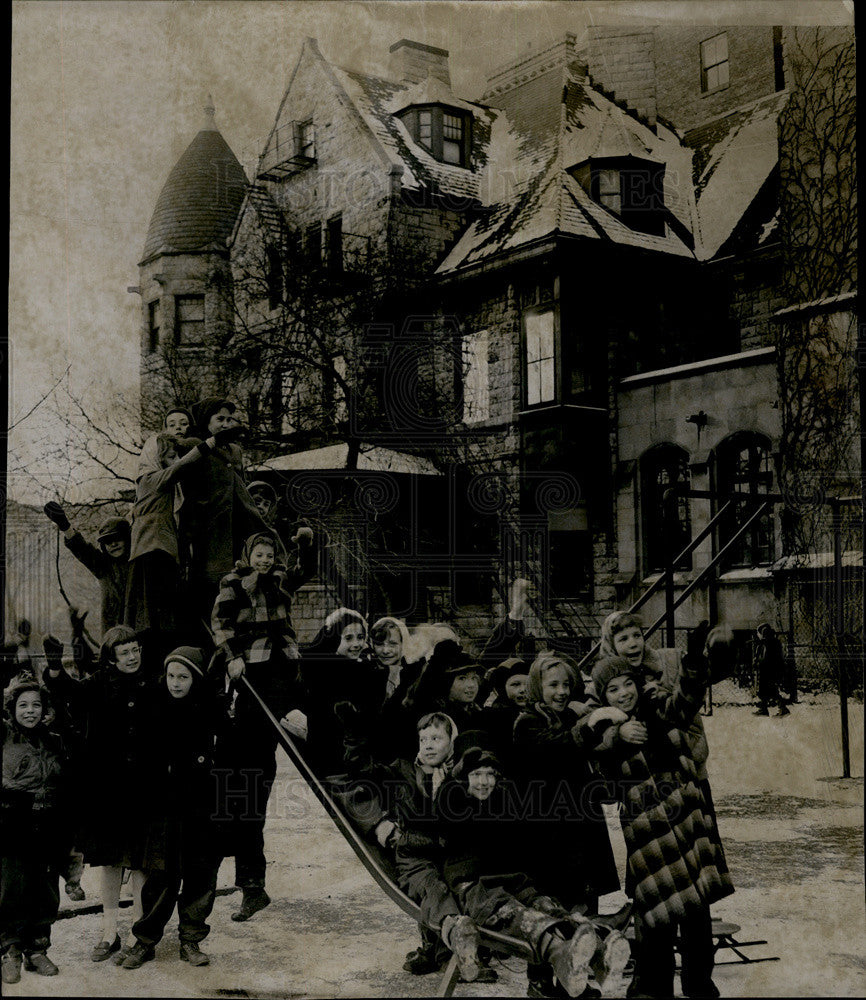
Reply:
x=444, y=132
x=628, y=187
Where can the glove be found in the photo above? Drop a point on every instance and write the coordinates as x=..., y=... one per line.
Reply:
x=54, y=512
x=76, y=619
x=225, y=435
x=53, y=649
x=696, y=639
x=303, y=536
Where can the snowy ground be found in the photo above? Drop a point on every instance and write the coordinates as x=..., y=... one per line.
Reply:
x=792, y=830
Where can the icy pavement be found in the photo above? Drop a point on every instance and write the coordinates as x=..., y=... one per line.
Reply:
x=793, y=834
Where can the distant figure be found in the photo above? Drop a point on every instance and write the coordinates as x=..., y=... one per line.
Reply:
x=769, y=664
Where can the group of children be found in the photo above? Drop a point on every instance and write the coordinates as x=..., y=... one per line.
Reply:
x=483, y=776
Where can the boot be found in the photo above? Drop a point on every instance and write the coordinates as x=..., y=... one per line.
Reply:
x=609, y=962
x=421, y=962
x=783, y=709
x=255, y=899
x=570, y=957
x=41, y=964
x=190, y=952
x=614, y=921
x=461, y=936
x=11, y=965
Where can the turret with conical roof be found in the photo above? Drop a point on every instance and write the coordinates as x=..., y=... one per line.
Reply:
x=185, y=279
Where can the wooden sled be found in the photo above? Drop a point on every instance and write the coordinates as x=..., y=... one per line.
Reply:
x=724, y=938
x=379, y=865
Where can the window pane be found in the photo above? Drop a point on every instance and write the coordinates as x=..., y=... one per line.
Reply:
x=533, y=383
x=722, y=71
x=451, y=151
x=189, y=319
x=452, y=127
x=547, y=380
x=608, y=181
x=721, y=47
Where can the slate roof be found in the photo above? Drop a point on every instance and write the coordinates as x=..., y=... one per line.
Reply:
x=199, y=202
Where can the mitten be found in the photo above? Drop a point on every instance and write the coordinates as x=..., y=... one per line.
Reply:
x=53, y=649
x=54, y=512
x=303, y=536
x=225, y=435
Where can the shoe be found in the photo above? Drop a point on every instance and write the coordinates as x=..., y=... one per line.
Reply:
x=11, y=965
x=609, y=962
x=761, y=711
x=137, y=955
x=783, y=710
x=615, y=921
x=485, y=975
x=463, y=940
x=421, y=962
x=190, y=952
x=41, y=964
x=545, y=988
x=104, y=949
x=255, y=899
x=74, y=891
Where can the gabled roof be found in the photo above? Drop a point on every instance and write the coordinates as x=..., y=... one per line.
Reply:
x=200, y=200
x=733, y=156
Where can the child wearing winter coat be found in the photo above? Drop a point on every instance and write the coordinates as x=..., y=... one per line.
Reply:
x=396, y=802
x=484, y=869
x=115, y=720
x=108, y=560
x=676, y=864
x=181, y=855
x=33, y=830
x=252, y=629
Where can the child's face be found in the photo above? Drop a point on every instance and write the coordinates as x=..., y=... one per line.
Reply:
x=434, y=745
x=464, y=687
x=127, y=657
x=481, y=782
x=115, y=547
x=177, y=424
x=389, y=650
x=221, y=419
x=169, y=456
x=622, y=693
x=515, y=688
x=178, y=679
x=28, y=709
x=263, y=504
x=630, y=644
x=352, y=641
x=262, y=557
x=556, y=688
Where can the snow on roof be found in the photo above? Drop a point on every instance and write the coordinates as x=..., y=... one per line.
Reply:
x=818, y=560
x=734, y=155
x=333, y=456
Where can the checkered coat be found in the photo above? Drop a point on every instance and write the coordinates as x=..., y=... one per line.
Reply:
x=676, y=863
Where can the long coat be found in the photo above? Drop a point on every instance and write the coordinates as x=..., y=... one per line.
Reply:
x=676, y=863
x=111, y=573
x=33, y=820
x=111, y=765
x=568, y=848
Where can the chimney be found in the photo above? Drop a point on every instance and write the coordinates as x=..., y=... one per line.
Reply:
x=622, y=61
x=413, y=62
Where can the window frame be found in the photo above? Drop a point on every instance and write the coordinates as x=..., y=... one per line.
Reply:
x=305, y=140
x=758, y=477
x=707, y=67
x=154, y=327
x=644, y=214
x=659, y=458
x=180, y=324
x=542, y=307
x=412, y=119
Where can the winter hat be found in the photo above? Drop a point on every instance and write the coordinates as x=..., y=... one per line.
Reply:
x=472, y=758
x=615, y=622
x=260, y=486
x=609, y=669
x=424, y=637
x=329, y=636
x=265, y=537
x=178, y=409
x=205, y=408
x=544, y=662
x=501, y=675
x=449, y=658
x=188, y=656
x=472, y=738
x=391, y=623
x=113, y=527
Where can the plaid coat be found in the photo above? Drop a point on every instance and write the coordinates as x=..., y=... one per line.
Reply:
x=676, y=863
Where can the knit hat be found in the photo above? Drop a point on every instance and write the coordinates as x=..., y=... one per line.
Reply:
x=113, y=527
x=188, y=656
x=472, y=758
x=609, y=669
x=205, y=408
x=544, y=662
x=263, y=488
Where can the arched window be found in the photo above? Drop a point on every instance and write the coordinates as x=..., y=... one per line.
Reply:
x=744, y=465
x=662, y=468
